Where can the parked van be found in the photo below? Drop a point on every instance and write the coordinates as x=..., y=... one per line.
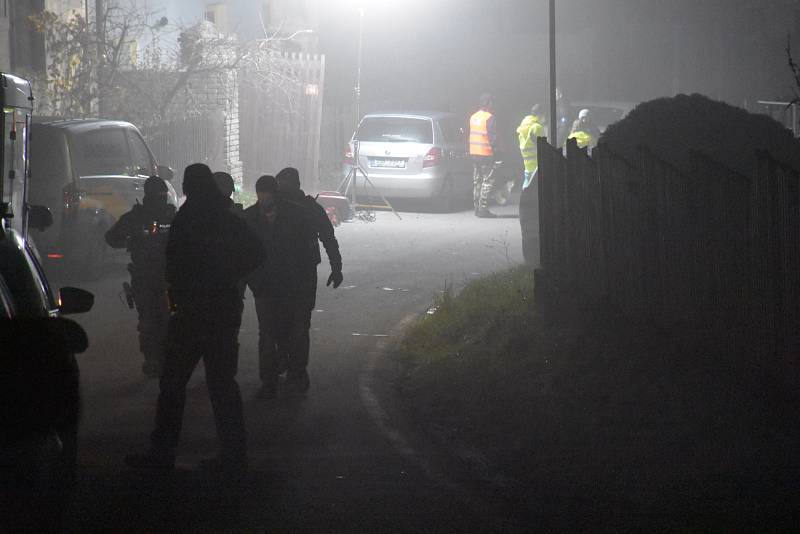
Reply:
x=88, y=172
x=39, y=383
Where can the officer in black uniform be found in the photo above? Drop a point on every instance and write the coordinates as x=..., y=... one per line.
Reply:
x=144, y=231
x=209, y=251
x=290, y=225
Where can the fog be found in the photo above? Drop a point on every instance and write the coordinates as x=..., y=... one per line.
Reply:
x=443, y=54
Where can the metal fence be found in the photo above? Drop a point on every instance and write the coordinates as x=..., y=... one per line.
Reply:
x=280, y=124
x=715, y=254
x=192, y=139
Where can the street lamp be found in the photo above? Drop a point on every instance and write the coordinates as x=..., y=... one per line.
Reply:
x=358, y=69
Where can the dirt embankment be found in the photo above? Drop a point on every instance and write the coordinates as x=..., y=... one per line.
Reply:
x=604, y=425
x=672, y=127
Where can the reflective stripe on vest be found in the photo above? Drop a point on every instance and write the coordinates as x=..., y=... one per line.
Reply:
x=479, y=144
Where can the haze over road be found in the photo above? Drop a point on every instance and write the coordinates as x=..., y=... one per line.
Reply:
x=341, y=459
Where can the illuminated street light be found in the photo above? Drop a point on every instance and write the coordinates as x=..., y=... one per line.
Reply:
x=358, y=70
x=553, y=112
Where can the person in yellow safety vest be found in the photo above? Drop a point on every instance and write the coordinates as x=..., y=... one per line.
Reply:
x=529, y=129
x=583, y=131
x=483, y=150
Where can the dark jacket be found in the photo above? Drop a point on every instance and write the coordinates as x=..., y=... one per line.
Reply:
x=144, y=230
x=322, y=228
x=292, y=252
x=209, y=251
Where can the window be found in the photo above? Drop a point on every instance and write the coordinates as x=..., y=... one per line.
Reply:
x=395, y=130
x=103, y=152
x=15, y=160
x=453, y=131
x=142, y=161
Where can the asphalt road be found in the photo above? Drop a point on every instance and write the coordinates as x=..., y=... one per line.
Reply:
x=346, y=457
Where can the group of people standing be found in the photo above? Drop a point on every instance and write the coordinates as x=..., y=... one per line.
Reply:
x=483, y=146
x=189, y=270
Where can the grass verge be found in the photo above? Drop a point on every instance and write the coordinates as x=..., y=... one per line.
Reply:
x=604, y=424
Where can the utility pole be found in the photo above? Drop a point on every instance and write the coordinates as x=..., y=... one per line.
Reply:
x=100, y=29
x=553, y=112
x=358, y=67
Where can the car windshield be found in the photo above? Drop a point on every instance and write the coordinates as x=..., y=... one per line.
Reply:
x=395, y=130
x=102, y=152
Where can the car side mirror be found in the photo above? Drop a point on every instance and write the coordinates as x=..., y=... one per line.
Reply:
x=165, y=173
x=74, y=300
x=39, y=217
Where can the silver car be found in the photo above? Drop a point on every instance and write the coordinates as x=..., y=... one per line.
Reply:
x=414, y=156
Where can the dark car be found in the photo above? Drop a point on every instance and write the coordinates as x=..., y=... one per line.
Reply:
x=88, y=172
x=39, y=397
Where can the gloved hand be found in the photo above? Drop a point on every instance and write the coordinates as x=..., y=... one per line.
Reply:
x=336, y=279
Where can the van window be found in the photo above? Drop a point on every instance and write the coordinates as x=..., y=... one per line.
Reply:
x=395, y=130
x=102, y=152
x=50, y=170
x=142, y=161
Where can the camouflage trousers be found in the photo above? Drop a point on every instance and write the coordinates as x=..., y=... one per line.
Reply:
x=482, y=184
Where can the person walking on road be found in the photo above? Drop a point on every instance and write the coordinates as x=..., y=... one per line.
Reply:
x=483, y=149
x=298, y=345
x=209, y=251
x=144, y=231
x=285, y=286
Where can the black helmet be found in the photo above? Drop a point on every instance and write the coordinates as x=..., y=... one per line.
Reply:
x=288, y=178
x=224, y=182
x=267, y=184
x=155, y=186
x=198, y=181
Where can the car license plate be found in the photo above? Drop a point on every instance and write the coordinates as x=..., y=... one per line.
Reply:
x=388, y=163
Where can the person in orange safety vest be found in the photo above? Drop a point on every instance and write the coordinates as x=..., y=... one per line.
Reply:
x=483, y=150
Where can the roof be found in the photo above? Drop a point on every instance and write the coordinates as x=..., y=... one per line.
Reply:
x=15, y=91
x=419, y=114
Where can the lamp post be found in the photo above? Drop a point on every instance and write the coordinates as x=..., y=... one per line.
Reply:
x=358, y=67
x=553, y=112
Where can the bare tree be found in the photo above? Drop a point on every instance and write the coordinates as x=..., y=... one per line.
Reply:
x=795, y=68
x=132, y=69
